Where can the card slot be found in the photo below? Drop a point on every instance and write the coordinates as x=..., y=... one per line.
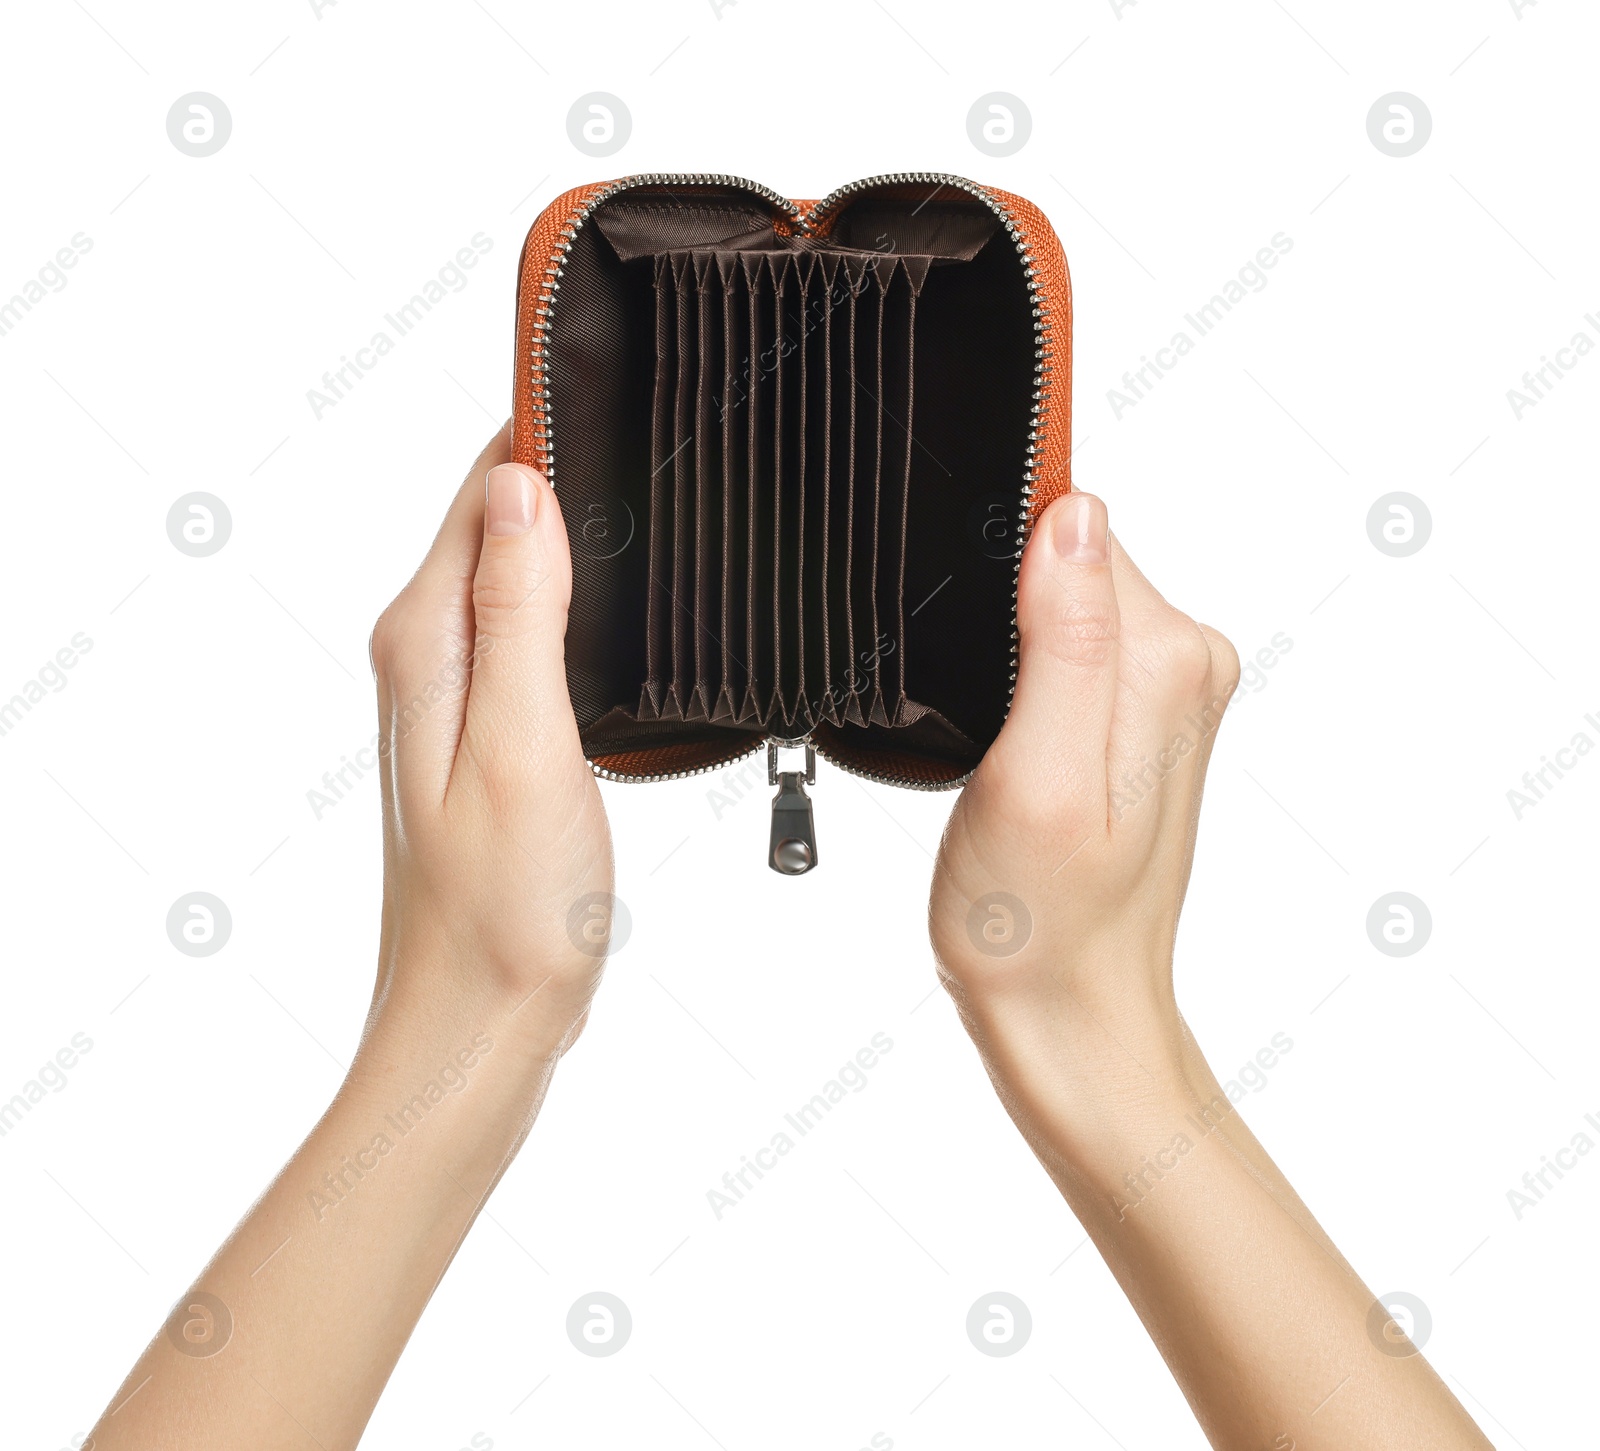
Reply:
x=821, y=588
x=869, y=384
x=707, y=527
x=782, y=439
x=895, y=406
x=730, y=404
x=682, y=579
x=899, y=400
x=658, y=650
x=851, y=281
x=759, y=571
x=797, y=325
x=780, y=712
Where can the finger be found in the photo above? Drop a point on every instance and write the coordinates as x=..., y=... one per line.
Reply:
x=1175, y=682
x=1134, y=590
x=437, y=599
x=1054, y=740
x=1224, y=678
x=422, y=645
x=518, y=712
x=450, y=562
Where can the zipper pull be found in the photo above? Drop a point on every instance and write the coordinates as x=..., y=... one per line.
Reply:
x=793, y=847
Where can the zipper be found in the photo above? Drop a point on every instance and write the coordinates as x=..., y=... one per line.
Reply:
x=792, y=842
x=801, y=855
x=742, y=754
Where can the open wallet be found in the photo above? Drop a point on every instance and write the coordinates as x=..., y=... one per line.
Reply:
x=799, y=447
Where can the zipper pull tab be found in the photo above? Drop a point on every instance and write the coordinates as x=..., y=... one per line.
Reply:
x=793, y=847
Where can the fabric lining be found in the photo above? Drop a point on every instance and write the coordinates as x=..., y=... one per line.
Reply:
x=804, y=436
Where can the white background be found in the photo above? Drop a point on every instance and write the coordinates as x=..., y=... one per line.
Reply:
x=1168, y=144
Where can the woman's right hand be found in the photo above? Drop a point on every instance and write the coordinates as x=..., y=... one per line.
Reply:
x=497, y=856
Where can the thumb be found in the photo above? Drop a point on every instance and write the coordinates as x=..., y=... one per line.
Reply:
x=520, y=596
x=1055, y=736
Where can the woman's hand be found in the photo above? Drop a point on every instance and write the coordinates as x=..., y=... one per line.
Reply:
x=496, y=916
x=1056, y=895
x=497, y=857
x=1054, y=909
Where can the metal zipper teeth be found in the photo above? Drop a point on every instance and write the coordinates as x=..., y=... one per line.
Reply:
x=904, y=782
x=606, y=774
x=806, y=224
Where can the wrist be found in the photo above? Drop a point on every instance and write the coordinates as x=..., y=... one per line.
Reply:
x=445, y=984
x=454, y=1107
x=463, y=1066
x=1094, y=1075
x=1111, y=1143
x=1082, y=1028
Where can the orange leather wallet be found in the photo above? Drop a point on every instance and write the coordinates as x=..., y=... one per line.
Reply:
x=799, y=447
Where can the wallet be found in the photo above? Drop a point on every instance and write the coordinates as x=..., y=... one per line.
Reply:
x=799, y=447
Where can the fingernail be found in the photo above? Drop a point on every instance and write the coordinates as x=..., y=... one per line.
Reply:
x=1078, y=529
x=511, y=499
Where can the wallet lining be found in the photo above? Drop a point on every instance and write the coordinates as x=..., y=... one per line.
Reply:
x=817, y=420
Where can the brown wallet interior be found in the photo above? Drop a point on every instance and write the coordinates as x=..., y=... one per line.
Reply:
x=792, y=471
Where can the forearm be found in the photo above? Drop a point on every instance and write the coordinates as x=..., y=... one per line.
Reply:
x=496, y=925
x=1267, y=1329
x=327, y=1275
